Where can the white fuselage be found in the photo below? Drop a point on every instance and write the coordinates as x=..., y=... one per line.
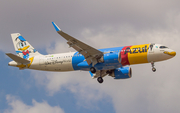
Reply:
x=53, y=62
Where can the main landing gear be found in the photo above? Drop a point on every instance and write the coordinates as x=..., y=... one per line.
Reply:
x=100, y=79
x=153, y=68
x=93, y=70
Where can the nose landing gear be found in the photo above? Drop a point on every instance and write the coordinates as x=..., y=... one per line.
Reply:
x=153, y=68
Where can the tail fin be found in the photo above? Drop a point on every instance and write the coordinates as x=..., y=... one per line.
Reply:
x=22, y=47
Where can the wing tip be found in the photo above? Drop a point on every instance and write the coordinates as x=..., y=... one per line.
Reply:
x=56, y=27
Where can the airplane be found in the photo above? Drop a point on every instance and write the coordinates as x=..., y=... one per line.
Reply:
x=114, y=62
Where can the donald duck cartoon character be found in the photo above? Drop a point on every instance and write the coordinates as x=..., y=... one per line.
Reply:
x=22, y=47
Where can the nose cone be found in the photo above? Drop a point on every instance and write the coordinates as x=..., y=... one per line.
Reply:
x=173, y=53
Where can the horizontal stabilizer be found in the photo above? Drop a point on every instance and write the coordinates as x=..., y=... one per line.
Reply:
x=17, y=58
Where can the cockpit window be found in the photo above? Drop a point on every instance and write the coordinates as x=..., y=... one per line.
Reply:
x=162, y=47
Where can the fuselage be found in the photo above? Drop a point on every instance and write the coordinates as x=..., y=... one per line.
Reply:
x=112, y=58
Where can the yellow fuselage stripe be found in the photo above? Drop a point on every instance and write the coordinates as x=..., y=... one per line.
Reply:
x=138, y=54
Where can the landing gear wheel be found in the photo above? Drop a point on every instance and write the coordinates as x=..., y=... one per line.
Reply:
x=153, y=69
x=93, y=70
x=100, y=79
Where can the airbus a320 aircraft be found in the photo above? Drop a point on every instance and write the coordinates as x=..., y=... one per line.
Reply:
x=99, y=62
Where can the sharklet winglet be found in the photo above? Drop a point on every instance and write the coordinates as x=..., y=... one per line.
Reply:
x=56, y=27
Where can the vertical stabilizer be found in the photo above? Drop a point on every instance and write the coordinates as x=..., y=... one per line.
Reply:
x=22, y=47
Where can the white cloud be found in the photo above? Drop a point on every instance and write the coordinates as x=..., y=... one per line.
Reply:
x=17, y=106
x=35, y=25
x=79, y=83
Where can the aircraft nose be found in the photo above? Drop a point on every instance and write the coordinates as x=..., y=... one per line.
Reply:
x=173, y=53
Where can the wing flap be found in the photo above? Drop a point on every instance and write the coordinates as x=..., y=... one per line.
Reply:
x=17, y=58
x=72, y=42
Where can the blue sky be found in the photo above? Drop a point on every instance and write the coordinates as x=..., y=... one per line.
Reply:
x=101, y=24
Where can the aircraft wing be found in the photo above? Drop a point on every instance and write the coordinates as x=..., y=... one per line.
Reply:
x=91, y=54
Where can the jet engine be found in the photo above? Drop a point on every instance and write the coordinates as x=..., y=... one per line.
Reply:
x=122, y=73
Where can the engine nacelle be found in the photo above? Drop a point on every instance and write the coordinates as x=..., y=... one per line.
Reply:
x=122, y=73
